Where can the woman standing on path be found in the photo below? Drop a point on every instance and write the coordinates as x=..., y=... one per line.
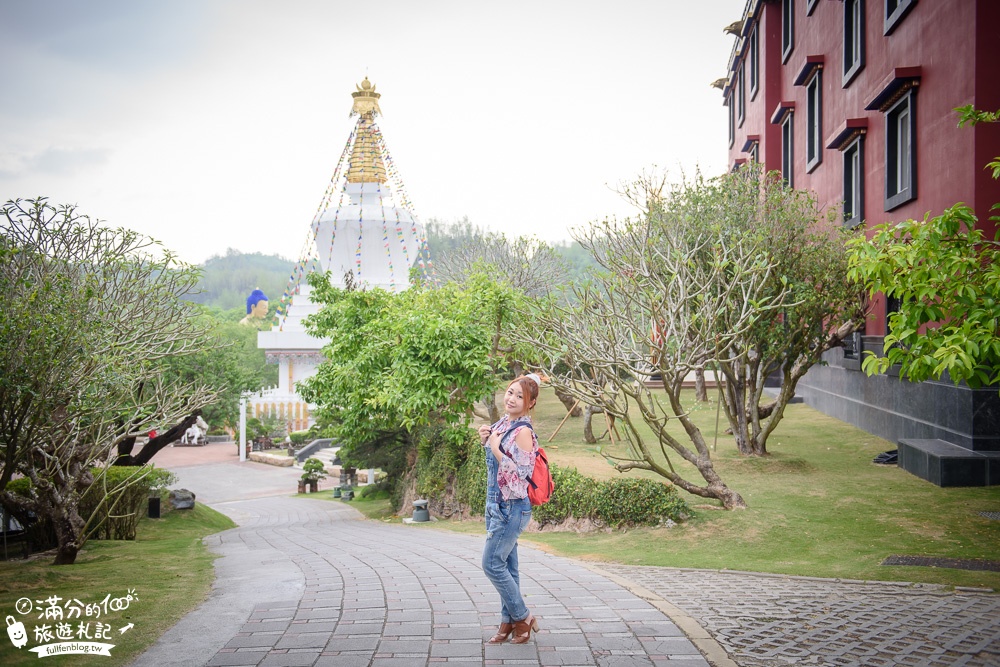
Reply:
x=511, y=447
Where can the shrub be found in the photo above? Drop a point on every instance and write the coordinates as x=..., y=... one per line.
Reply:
x=450, y=468
x=299, y=438
x=572, y=498
x=115, y=502
x=618, y=502
x=112, y=505
x=376, y=491
x=629, y=501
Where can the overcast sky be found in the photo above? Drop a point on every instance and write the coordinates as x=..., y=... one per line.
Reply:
x=211, y=124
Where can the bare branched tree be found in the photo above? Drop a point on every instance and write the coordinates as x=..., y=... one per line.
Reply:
x=696, y=281
x=86, y=312
x=526, y=263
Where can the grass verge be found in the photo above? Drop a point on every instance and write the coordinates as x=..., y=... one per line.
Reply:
x=167, y=566
x=818, y=506
x=376, y=507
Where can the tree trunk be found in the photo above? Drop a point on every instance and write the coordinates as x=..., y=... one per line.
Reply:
x=125, y=447
x=700, y=392
x=149, y=450
x=731, y=500
x=68, y=527
x=572, y=406
x=490, y=402
x=588, y=429
x=715, y=489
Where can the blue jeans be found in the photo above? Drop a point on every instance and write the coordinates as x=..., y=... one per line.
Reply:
x=505, y=519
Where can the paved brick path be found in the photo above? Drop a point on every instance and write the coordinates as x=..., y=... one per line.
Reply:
x=307, y=582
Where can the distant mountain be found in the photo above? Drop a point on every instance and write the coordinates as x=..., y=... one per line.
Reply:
x=227, y=280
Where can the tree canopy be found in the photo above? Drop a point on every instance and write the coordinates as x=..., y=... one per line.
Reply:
x=87, y=316
x=736, y=274
x=945, y=276
x=402, y=361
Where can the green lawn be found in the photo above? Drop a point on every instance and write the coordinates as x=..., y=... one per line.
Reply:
x=818, y=507
x=167, y=566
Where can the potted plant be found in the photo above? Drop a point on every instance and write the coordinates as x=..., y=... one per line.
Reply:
x=312, y=472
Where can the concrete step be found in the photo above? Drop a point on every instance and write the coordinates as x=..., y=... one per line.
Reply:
x=326, y=455
x=947, y=464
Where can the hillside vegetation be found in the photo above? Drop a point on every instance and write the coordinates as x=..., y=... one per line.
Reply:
x=228, y=279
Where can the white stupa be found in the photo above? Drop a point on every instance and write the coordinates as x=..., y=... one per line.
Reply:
x=365, y=226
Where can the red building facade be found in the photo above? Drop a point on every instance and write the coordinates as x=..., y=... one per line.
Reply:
x=854, y=100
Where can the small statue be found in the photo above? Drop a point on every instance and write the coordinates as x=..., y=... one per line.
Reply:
x=256, y=308
x=191, y=436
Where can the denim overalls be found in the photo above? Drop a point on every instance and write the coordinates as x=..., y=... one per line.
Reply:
x=505, y=519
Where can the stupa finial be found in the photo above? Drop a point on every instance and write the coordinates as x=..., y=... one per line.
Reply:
x=366, y=165
x=366, y=100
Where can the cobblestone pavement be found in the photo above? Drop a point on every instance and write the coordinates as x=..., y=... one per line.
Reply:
x=309, y=582
x=767, y=621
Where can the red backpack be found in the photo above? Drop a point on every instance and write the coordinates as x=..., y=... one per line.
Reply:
x=540, y=484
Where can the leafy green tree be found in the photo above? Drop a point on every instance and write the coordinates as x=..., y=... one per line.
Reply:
x=87, y=314
x=969, y=115
x=945, y=275
x=397, y=363
x=527, y=264
x=230, y=362
x=579, y=263
x=819, y=308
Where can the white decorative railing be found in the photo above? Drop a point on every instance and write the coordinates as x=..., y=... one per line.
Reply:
x=289, y=408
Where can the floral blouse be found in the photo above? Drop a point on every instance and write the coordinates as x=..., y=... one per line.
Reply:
x=516, y=465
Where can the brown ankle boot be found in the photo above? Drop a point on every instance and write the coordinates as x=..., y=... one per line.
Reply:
x=502, y=633
x=522, y=630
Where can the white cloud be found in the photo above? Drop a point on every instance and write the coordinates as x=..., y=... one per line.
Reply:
x=223, y=129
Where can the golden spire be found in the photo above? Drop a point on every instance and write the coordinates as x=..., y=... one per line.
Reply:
x=366, y=100
x=366, y=160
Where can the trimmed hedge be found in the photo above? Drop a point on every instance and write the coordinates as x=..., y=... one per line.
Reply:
x=624, y=501
x=299, y=438
x=112, y=506
x=620, y=502
x=118, y=503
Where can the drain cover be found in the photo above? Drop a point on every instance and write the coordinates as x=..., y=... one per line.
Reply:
x=991, y=515
x=954, y=563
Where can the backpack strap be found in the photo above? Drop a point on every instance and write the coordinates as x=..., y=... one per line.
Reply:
x=512, y=426
x=517, y=424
